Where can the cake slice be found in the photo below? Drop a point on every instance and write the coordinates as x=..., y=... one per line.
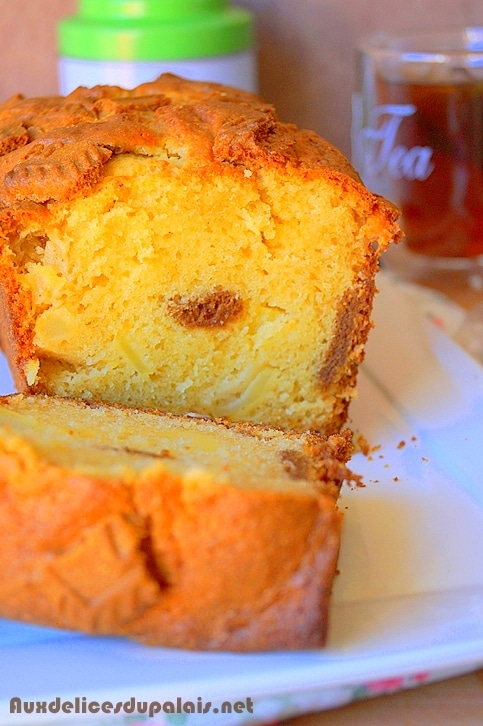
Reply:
x=176, y=531
x=177, y=246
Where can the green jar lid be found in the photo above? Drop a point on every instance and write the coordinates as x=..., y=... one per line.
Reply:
x=151, y=30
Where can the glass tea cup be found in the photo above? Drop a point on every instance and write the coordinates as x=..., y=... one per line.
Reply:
x=417, y=139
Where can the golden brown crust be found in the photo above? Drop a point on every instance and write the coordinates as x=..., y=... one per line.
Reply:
x=59, y=144
x=283, y=606
x=172, y=559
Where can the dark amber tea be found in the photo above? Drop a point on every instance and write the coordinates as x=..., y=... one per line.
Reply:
x=418, y=141
x=431, y=149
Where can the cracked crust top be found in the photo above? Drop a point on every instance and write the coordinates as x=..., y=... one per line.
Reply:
x=52, y=148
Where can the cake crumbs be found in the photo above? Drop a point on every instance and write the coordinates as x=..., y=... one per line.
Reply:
x=362, y=444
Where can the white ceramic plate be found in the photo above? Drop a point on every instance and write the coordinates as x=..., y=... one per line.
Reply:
x=407, y=606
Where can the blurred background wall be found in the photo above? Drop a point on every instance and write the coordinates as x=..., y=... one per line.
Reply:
x=306, y=49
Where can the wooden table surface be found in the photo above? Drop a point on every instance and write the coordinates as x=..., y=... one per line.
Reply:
x=453, y=702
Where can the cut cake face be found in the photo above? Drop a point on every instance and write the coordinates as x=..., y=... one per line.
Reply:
x=178, y=247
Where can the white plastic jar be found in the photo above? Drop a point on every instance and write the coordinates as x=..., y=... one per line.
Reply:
x=128, y=42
